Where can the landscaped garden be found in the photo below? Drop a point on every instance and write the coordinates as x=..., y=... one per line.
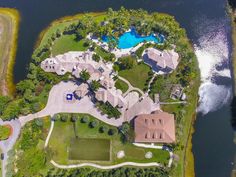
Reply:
x=5, y=132
x=84, y=132
x=137, y=75
x=68, y=43
x=119, y=84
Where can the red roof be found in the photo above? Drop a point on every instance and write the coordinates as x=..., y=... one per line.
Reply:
x=155, y=128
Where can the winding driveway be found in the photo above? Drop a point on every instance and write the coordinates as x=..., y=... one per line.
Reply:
x=8, y=144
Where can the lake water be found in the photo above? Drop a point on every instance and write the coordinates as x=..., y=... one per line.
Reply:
x=207, y=26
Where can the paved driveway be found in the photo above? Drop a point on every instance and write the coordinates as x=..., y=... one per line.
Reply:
x=57, y=104
x=8, y=144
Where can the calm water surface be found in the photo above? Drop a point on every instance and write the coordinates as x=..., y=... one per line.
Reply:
x=207, y=26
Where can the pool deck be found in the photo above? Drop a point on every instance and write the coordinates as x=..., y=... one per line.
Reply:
x=117, y=52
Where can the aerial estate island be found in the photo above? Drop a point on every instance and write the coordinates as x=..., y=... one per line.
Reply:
x=110, y=93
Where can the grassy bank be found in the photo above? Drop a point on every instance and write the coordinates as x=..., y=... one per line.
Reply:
x=233, y=23
x=10, y=19
x=60, y=24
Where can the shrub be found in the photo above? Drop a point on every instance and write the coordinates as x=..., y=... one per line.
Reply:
x=84, y=119
x=112, y=131
x=93, y=124
x=103, y=129
x=74, y=118
x=56, y=117
x=96, y=57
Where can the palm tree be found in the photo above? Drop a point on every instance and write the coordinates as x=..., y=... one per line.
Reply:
x=95, y=85
x=84, y=75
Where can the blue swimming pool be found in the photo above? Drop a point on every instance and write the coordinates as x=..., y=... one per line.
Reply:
x=131, y=39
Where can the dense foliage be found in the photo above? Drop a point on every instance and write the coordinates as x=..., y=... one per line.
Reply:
x=108, y=109
x=120, y=172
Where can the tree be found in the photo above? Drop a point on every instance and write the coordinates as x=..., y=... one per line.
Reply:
x=56, y=117
x=127, y=133
x=112, y=131
x=84, y=75
x=96, y=57
x=103, y=129
x=127, y=62
x=65, y=117
x=84, y=119
x=95, y=85
x=74, y=118
x=4, y=100
x=24, y=85
x=93, y=124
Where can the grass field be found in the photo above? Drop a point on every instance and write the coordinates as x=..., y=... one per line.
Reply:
x=67, y=43
x=137, y=76
x=121, y=85
x=60, y=143
x=9, y=22
x=89, y=149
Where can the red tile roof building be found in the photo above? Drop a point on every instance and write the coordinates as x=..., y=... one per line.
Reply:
x=155, y=128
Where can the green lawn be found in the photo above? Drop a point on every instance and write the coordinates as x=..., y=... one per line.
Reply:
x=4, y=132
x=67, y=43
x=63, y=133
x=137, y=76
x=62, y=23
x=89, y=149
x=121, y=85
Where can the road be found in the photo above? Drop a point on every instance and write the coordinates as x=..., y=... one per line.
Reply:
x=8, y=144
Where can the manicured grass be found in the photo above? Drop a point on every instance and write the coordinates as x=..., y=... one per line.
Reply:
x=89, y=149
x=121, y=85
x=137, y=76
x=63, y=134
x=67, y=43
x=5, y=132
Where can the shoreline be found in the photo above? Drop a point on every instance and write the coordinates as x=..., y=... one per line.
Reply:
x=7, y=82
x=233, y=25
x=66, y=19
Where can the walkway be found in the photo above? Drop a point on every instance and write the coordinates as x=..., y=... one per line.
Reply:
x=176, y=102
x=131, y=88
x=150, y=82
x=107, y=167
x=49, y=134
